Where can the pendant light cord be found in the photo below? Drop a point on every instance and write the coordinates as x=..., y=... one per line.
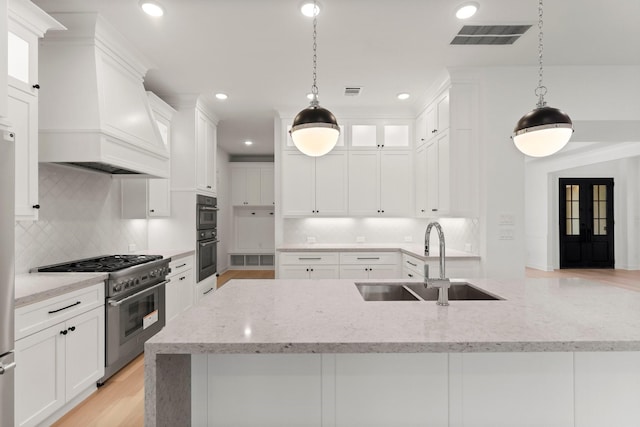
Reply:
x=541, y=90
x=314, y=87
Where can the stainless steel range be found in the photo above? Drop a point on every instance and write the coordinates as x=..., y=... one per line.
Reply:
x=135, y=302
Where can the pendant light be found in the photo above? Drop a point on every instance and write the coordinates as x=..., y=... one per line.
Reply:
x=544, y=130
x=315, y=130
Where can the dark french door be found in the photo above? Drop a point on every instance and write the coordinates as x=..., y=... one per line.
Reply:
x=586, y=223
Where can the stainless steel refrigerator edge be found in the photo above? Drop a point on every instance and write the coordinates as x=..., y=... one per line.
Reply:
x=7, y=277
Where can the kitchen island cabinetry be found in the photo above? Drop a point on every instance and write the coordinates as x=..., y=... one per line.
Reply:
x=343, y=361
x=59, y=354
x=26, y=24
x=309, y=265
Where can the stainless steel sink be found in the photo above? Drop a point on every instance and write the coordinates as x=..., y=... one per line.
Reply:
x=459, y=291
x=385, y=292
x=412, y=291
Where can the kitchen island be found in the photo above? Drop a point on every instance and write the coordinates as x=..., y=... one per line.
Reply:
x=313, y=352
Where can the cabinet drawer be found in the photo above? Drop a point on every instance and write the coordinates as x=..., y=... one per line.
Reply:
x=412, y=264
x=180, y=265
x=38, y=316
x=368, y=258
x=309, y=258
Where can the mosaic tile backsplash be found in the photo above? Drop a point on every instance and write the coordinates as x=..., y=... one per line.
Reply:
x=460, y=233
x=79, y=218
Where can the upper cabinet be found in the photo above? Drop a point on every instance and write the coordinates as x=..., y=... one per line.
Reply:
x=149, y=198
x=26, y=24
x=252, y=184
x=193, y=149
x=380, y=134
x=446, y=160
x=206, y=144
x=314, y=186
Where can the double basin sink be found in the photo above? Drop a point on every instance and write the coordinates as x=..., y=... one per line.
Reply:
x=416, y=291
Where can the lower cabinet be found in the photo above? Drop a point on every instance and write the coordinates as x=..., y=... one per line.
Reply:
x=373, y=265
x=560, y=389
x=309, y=265
x=179, y=292
x=204, y=289
x=56, y=364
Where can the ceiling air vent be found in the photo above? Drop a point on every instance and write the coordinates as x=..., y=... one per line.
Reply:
x=489, y=34
x=352, y=91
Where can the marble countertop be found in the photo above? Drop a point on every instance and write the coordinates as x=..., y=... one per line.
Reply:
x=330, y=316
x=415, y=250
x=35, y=287
x=168, y=253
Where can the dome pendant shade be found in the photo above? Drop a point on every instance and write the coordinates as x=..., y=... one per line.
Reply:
x=542, y=132
x=315, y=131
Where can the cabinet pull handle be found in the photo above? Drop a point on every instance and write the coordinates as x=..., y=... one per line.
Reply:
x=253, y=213
x=410, y=275
x=421, y=210
x=5, y=368
x=65, y=332
x=64, y=308
x=181, y=265
x=36, y=206
x=434, y=210
x=373, y=257
x=409, y=262
x=206, y=292
x=72, y=328
x=308, y=258
x=208, y=186
x=183, y=277
x=36, y=86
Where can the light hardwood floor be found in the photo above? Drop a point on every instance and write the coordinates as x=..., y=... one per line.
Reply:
x=120, y=402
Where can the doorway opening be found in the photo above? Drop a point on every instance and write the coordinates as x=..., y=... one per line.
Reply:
x=586, y=223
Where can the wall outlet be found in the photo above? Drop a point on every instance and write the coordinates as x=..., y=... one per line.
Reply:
x=408, y=239
x=132, y=247
x=311, y=239
x=360, y=239
x=507, y=233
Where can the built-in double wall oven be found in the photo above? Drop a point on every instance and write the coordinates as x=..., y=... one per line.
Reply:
x=207, y=236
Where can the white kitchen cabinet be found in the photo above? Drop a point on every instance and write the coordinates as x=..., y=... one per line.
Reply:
x=422, y=135
x=380, y=134
x=309, y=265
x=450, y=156
x=380, y=183
x=206, y=144
x=26, y=24
x=412, y=267
x=58, y=356
x=457, y=268
x=251, y=184
x=314, y=186
x=369, y=265
x=204, y=289
x=179, y=292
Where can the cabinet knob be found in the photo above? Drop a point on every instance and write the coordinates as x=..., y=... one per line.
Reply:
x=72, y=328
x=36, y=86
x=421, y=210
x=152, y=210
x=434, y=131
x=410, y=275
x=253, y=213
x=36, y=206
x=64, y=332
x=208, y=186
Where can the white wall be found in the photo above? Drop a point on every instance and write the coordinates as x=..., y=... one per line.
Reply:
x=80, y=217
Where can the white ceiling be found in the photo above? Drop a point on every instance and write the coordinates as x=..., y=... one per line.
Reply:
x=259, y=51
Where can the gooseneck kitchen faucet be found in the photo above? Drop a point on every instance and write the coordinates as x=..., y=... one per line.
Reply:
x=442, y=283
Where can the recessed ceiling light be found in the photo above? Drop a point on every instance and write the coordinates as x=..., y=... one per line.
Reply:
x=248, y=142
x=309, y=9
x=467, y=10
x=151, y=7
x=403, y=96
x=222, y=96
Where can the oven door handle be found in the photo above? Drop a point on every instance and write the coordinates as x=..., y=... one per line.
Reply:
x=202, y=245
x=116, y=303
x=207, y=208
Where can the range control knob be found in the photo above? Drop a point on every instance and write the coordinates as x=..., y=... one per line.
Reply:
x=153, y=273
x=117, y=287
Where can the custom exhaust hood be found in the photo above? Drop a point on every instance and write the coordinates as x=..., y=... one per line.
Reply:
x=93, y=108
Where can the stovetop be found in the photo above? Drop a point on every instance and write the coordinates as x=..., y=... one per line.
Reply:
x=104, y=264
